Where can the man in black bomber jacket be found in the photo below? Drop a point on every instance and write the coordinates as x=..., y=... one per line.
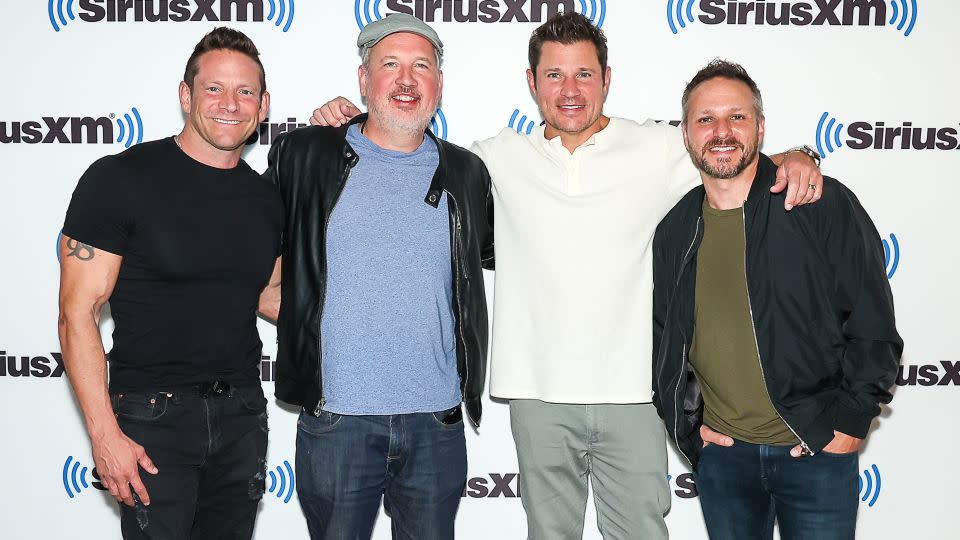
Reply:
x=774, y=334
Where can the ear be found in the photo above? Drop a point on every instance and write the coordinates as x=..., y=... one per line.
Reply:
x=761, y=127
x=532, y=82
x=606, y=81
x=264, y=106
x=185, y=101
x=362, y=78
x=683, y=130
x=440, y=87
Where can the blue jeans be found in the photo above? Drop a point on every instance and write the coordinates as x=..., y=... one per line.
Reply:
x=745, y=487
x=416, y=462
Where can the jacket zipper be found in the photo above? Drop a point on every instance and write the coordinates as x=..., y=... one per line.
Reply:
x=323, y=300
x=683, y=355
x=457, y=242
x=756, y=344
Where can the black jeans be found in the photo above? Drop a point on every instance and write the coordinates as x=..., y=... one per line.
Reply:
x=211, y=456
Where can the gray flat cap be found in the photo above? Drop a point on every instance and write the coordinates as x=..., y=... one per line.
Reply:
x=397, y=22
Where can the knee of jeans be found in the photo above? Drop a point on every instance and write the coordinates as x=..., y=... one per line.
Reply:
x=258, y=482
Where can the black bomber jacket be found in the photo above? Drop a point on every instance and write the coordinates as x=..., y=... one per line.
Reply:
x=310, y=167
x=820, y=303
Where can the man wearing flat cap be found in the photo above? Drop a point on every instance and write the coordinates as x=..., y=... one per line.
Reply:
x=382, y=330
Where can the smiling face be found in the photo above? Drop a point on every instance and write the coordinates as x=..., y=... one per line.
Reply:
x=226, y=102
x=570, y=87
x=723, y=130
x=402, y=83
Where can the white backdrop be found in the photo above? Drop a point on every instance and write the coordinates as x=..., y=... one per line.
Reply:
x=829, y=77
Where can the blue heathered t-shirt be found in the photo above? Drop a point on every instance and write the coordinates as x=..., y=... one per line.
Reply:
x=388, y=327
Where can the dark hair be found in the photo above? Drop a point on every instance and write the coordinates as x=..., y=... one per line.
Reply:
x=725, y=69
x=567, y=28
x=223, y=38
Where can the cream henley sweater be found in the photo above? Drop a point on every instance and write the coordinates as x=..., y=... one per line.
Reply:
x=572, y=319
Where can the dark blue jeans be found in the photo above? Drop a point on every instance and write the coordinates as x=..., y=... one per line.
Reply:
x=345, y=464
x=745, y=487
x=210, y=452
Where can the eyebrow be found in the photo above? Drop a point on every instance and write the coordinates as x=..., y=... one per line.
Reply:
x=418, y=58
x=581, y=68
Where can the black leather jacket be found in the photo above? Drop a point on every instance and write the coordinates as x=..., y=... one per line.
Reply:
x=310, y=167
x=819, y=300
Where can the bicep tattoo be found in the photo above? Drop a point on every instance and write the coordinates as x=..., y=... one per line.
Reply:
x=79, y=250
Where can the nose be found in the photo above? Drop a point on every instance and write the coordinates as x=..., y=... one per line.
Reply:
x=229, y=102
x=405, y=77
x=721, y=127
x=569, y=87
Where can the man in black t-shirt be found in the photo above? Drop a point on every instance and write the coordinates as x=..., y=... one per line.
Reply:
x=182, y=238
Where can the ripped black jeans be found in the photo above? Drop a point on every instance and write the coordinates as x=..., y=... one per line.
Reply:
x=210, y=449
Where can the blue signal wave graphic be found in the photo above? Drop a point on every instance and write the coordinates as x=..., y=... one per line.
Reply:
x=278, y=481
x=74, y=477
x=281, y=13
x=59, y=14
x=130, y=128
x=828, y=134
x=364, y=13
x=891, y=255
x=596, y=14
x=872, y=488
x=679, y=12
x=439, y=128
x=901, y=13
x=522, y=125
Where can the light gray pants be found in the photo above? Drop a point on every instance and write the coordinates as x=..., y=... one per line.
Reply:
x=621, y=449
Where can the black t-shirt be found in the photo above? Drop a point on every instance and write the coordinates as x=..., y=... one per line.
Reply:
x=198, y=245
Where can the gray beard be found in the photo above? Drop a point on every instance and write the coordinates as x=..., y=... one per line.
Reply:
x=391, y=121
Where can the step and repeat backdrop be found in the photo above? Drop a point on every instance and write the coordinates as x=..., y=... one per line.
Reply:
x=870, y=83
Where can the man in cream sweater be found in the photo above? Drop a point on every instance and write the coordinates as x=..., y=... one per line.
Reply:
x=577, y=202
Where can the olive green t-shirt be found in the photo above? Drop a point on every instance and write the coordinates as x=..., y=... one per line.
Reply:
x=724, y=350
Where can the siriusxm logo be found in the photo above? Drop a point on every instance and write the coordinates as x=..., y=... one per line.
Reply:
x=126, y=130
x=930, y=375
x=868, y=485
x=278, y=12
x=483, y=11
x=282, y=482
x=74, y=477
x=492, y=485
x=31, y=366
x=903, y=13
x=891, y=255
x=267, y=132
x=863, y=135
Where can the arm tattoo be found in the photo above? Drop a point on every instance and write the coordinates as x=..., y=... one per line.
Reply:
x=79, y=250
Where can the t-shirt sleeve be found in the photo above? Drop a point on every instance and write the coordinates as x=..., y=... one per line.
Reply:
x=99, y=211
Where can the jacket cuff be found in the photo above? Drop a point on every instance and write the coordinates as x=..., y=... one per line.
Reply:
x=852, y=422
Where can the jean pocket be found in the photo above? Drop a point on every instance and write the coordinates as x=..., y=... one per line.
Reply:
x=140, y=407
x=449, y=418
x=318, y=425
x=835, y=455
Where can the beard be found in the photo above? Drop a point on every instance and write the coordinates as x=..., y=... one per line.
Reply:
x=725, y=168
x=563, y=125
x=407, y=122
